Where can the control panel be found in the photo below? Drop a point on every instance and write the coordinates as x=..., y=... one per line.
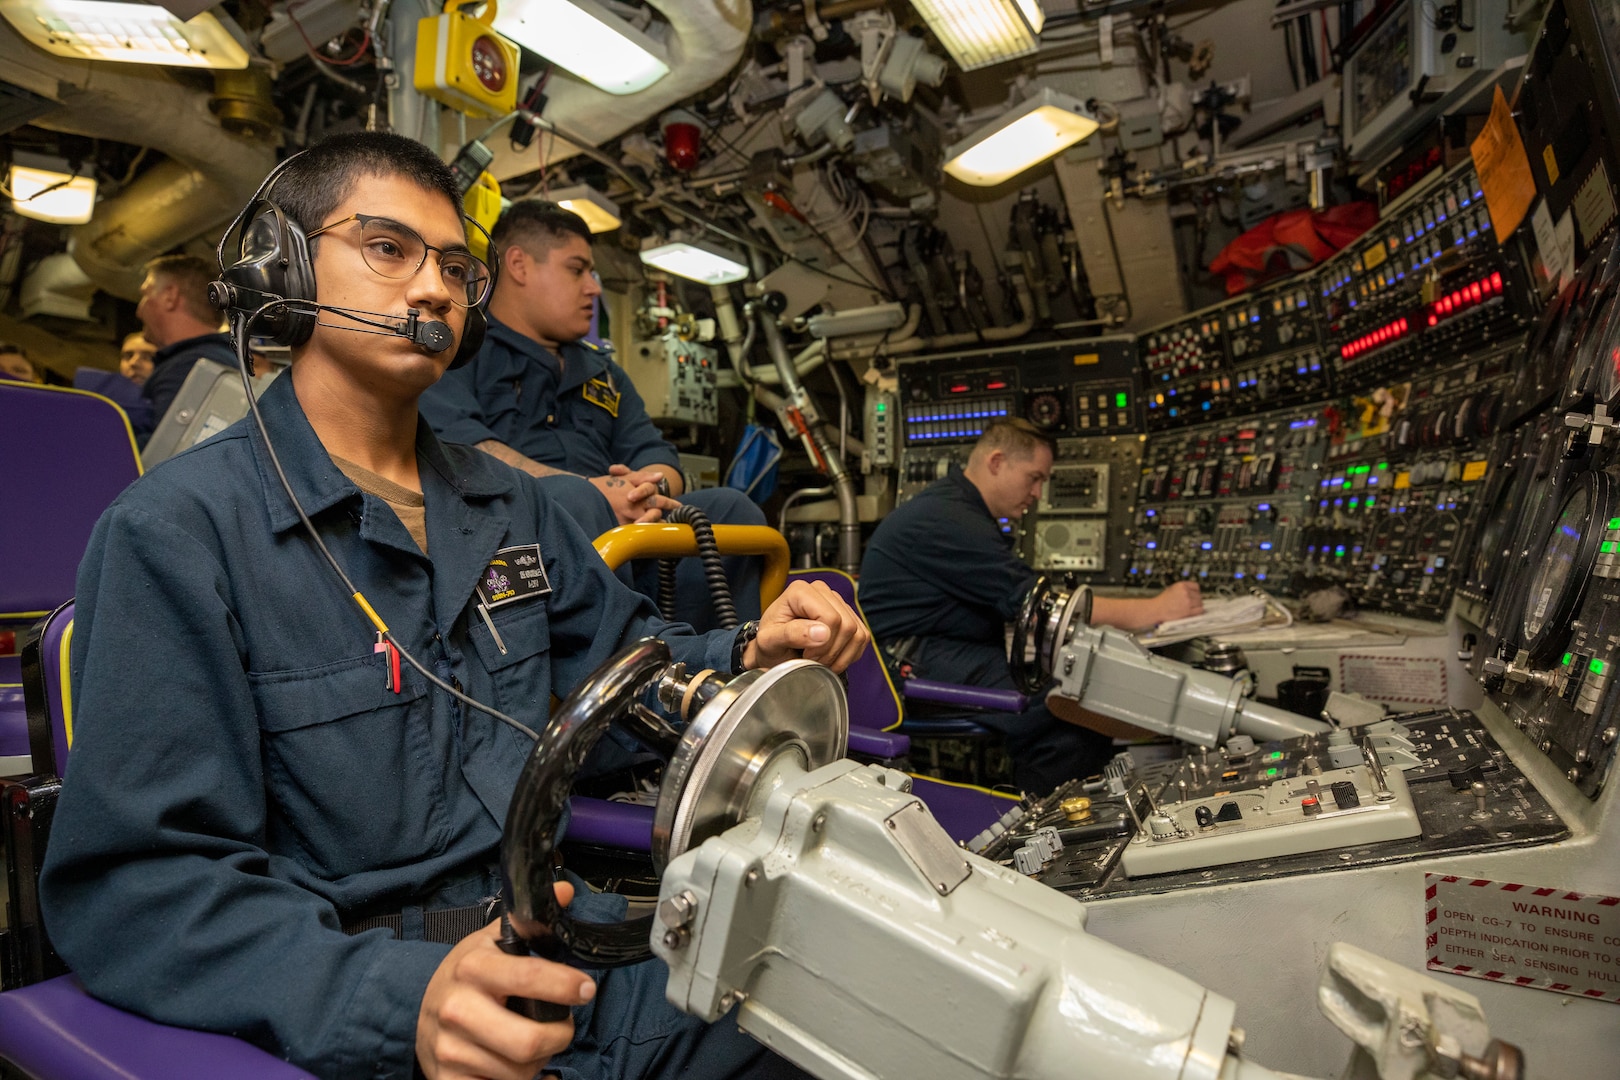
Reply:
x=1406, y=787
x=677, y=379
x=1066, y=388
x=1249, y=354
x=1429, y=278
x=1082, y=522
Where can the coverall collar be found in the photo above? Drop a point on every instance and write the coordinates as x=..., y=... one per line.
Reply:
x=320, y=485
x=583, y=362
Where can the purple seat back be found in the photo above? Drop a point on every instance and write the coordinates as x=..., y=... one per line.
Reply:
x=47, y=685
x=965, y=811
x=873, y=702
x=53, y=1030
x=67, y=455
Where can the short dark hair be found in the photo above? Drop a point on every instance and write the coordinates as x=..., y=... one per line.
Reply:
x=322, y=176
x=192, y=275
x=1016, y=437
x=537, y=226
x=8, y=347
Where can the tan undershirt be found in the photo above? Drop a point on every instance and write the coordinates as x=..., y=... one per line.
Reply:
x=408, y=504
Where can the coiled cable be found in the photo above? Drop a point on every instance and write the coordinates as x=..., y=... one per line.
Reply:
x=713, y=570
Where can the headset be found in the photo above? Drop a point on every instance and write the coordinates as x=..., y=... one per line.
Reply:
x=272, y=284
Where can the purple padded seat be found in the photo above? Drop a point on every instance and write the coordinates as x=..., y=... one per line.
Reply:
x=964, y=811
x=874, y=707
x=67, y=455
x=983, y=698
x=609, y=824
x=53, y=1030
x=13, y=712
x=50, y=729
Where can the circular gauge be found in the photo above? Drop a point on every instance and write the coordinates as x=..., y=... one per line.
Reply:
x=1489, y=408
x=489, y=64
x=1044, y=409
x=1565, y=566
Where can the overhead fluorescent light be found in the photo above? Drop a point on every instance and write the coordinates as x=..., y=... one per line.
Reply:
x=697, y=261
x=42, y=188
x=585, y=39
x=127, y=33
x=601, y=213
x=1026, y=135
x=978, y=33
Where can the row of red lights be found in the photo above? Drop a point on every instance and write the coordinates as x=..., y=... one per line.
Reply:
x=1451, y=304
x=1381, y=336
x=1465, y=297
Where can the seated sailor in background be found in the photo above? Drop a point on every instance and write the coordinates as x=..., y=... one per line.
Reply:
x=177, y=318
x=135, y=359
x=940, y=581
x=254, y=769
x=543, y=400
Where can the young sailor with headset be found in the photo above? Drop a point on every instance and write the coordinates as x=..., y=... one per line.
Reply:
x=264, y=768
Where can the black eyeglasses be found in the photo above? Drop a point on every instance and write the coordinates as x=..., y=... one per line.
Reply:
x=397, y=251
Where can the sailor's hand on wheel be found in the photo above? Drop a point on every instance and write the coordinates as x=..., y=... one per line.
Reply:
x=465, y=1030
x=812, y=621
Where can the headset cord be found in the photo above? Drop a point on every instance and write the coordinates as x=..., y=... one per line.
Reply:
x=713, y=570
x=240, y=325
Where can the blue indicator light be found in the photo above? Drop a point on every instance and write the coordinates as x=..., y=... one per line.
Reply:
x=1263, y=507
x=1206, y=545
x=1238, y=575
x=1205, y=406
x=1153, y=545
x=1265, y=545
x=1261, y=575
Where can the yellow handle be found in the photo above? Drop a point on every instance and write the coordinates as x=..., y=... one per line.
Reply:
x=660, y=540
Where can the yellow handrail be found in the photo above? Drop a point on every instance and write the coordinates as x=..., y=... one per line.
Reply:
x=662, y=540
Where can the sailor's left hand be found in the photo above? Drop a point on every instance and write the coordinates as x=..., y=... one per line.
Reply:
x=812, y=621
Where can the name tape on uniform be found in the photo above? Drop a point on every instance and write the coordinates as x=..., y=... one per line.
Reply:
x=515, y=573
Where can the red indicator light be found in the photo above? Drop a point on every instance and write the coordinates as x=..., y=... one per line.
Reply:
x=959, y=388
x=1496, y=281
x=1433, y=319
x=1475, y=293
x=997, y=385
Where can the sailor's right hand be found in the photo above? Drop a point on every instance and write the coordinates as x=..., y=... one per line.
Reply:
x=464, y=1028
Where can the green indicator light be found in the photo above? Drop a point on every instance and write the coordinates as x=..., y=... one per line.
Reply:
x=1614, y=523
x=1275, y=755
x=1609, y=547
x=1596, y=667
x=1371, y=499
x=882, y=407
x=1122, y=401
x=1382, y=465
x=1271, y=772
x=1354, y=503
x=1565, y=661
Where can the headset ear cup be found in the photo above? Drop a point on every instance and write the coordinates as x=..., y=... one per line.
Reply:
x=273, y=263
x=472, y=337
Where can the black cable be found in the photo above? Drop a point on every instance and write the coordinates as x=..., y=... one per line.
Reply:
x=240, y=326
x=725, y=612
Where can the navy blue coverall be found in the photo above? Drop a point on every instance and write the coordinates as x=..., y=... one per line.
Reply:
x=170, y=366
x=939, y=570
x=515, y=391
x=245, y=779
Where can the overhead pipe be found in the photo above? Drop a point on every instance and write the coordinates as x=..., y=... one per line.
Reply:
x=799, y=417
x=906, y=345
x=208, y=176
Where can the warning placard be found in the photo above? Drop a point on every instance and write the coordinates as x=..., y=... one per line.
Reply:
x=1406, y=680
x=1522, y=935
x=1504, y=170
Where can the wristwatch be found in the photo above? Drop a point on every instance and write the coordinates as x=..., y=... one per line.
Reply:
x=739, y=648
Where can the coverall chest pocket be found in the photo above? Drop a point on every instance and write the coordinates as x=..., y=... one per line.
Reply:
x=349, y=767
x=518, y=658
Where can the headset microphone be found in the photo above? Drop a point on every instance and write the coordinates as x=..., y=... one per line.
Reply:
x=430, y=335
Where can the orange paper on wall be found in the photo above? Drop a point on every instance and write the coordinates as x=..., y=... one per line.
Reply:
x=1504, y=169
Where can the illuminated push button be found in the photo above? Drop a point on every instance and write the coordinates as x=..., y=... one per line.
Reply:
x=1311, y=805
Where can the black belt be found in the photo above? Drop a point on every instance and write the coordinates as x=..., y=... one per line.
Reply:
x=446, y=926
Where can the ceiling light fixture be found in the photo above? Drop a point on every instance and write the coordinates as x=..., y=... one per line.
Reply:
x=1025, y=135
x=978, y=33
x=587, y=40
x=127, y=33
x=697, y=261
x=601, y=213
x=43, y=189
